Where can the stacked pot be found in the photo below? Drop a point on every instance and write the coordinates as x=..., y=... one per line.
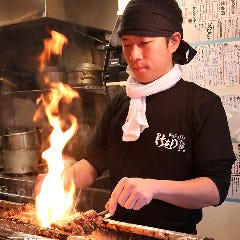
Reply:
x=86, y=74
x=21, y=152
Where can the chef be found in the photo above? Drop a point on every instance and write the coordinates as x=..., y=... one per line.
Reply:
x=166, y=141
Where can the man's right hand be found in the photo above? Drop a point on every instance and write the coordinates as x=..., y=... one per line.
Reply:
x=82, y=173
x=38, y=183
x=67, y=175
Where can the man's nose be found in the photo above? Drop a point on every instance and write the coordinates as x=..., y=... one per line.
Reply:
x=136, y=53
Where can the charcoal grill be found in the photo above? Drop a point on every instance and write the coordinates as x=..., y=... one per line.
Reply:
x=109, y=230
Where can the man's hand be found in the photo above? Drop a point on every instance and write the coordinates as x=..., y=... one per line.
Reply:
x=131, y=193
x=134, y=193
x=67, y=175
x=82, y=173
x=38, y=183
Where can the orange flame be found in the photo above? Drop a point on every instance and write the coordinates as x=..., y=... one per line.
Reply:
x=53, y=45
x=54, y=202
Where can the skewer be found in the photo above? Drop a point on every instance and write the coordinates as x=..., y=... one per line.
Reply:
x=76, y=201
x=105, y=214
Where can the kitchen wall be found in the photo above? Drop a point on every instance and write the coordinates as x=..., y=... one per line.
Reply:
x=20, y=46
x=221, y=223
x=212, y=28
x=86, y=24
x=93, y=13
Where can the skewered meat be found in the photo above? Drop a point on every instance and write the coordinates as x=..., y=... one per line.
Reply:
x=79, y=223
x=24, y=213
x=106, y=229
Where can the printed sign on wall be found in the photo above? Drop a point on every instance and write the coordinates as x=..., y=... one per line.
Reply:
x=213, y=29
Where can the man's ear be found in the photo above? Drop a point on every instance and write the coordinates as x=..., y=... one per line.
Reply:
x=174, y=41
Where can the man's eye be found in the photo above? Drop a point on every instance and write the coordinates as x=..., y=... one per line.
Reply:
x=145, y=43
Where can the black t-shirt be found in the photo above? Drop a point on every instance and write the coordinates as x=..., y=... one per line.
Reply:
x=187, y=137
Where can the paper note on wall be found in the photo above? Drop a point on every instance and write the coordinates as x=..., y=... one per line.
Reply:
x=212, y=28
x=234, y=189
x=212, y=20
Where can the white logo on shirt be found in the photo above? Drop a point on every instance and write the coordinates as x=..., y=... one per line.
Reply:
x=171, y=141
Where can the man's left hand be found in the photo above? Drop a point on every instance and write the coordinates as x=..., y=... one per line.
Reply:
x=131, y=193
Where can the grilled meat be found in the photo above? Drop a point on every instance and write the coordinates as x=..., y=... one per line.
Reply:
x=79, y=223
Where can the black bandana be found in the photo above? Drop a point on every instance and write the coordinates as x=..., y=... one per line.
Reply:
x=156, y=18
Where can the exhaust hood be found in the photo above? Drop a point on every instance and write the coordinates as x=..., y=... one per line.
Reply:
x=85, y=13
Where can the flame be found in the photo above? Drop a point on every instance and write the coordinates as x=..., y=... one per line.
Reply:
x=52, y=45
x=54, y=202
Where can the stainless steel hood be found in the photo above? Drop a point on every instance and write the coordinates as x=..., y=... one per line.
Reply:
x=98, y=14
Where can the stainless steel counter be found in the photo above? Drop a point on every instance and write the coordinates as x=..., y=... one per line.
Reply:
x=20, y=189
x=17, y=188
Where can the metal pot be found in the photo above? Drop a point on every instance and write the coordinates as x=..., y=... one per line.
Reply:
x=22, y=140
x=86, y=74
x=56, y=74
x=20, y=161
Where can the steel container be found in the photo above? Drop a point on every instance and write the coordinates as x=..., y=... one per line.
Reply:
x=20, y=161
x=22, y=140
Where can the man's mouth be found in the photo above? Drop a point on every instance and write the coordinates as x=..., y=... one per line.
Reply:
x=139, y=68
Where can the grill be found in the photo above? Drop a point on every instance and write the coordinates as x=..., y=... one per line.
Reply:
x=109, y=229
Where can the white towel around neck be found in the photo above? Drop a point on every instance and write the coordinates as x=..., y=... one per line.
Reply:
x=136, y=120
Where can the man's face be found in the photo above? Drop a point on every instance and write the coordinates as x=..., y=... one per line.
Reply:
x=148, y=57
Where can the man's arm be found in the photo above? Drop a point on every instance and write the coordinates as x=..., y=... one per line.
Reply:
x=83, y=173
x=134, y=193
x=195, y=193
